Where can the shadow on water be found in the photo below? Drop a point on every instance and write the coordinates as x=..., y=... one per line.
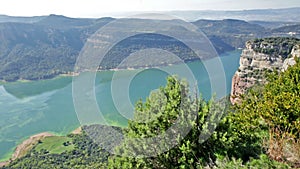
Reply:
x=26, y=89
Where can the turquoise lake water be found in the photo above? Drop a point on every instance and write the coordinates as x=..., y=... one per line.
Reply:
x=28, y=108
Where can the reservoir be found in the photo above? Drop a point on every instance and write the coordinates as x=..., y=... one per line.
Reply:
x=28, y=108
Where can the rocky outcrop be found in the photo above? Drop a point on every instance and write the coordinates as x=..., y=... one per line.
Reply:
x=291, y=61
x=257, y=58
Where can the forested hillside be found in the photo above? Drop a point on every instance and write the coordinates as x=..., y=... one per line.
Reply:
x=232, y=32
x=43, y=47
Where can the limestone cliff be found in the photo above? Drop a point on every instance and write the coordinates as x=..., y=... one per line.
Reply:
x=259, y=56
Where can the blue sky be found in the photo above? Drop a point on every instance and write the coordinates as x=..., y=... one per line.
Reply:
x=98, y=8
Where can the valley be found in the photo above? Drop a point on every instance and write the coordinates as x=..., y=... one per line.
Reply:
x=237, y=94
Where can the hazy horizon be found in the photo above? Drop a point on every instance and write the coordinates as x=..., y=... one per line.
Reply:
x=115, y=8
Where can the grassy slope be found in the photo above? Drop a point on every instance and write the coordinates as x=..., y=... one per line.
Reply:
x=55, y=144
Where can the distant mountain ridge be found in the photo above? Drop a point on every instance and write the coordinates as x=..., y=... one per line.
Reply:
x=6, y=18
x=43, y=47
x=271, y=15
x=274, y=15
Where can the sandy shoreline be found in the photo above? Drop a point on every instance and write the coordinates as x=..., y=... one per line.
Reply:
x=27, y=144
x=3, y=163
x=77, y=131
x=22, y=148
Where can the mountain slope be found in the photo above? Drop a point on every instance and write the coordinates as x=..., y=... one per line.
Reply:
x=43, y=47
x=33, y=52
x=230, y=34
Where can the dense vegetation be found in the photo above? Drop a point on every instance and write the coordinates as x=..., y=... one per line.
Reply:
x=229, y=33
x=260, y=132
x=43, y=49
x=246, y=137
x=146, y=41
x=50, y=47
x=275, y=107
x=275, y=46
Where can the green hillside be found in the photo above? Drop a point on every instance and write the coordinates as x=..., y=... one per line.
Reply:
x=49, y=46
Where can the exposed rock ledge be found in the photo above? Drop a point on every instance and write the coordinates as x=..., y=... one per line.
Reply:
x=253, y=64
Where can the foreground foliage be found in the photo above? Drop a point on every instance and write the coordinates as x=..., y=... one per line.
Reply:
x=275, y=106
x=261, y=130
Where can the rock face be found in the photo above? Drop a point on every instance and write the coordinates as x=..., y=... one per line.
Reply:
x=253, y=64
x=291, y=61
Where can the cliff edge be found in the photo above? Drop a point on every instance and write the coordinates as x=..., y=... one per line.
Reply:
x=259, y=56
